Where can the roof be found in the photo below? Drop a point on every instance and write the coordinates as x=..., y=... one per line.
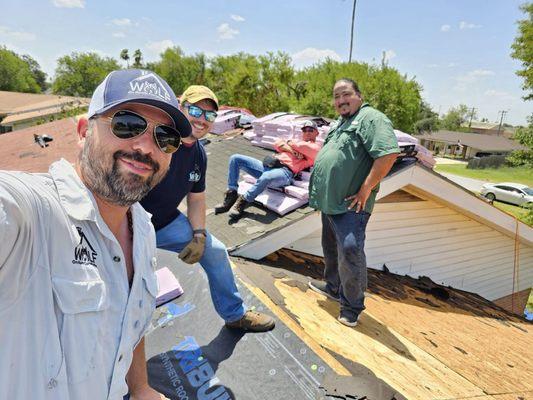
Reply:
x=461, y=346
x=18, y=150
x=475, y=140
x=482, y=125
x=21, y=106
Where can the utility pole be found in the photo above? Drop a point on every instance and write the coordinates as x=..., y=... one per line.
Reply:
x=471, y=117
x=351, y=35
x=502, y=112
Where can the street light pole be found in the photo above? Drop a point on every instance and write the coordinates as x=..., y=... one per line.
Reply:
x=351, y=35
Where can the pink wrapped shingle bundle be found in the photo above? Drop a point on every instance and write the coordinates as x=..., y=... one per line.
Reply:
x=228, y=119
x=169, y=287
x=274, y=200
x=423, y=155
x=405, y=137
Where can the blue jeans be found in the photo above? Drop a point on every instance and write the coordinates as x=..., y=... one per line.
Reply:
x=215, y=262
x=266, y=177
x=343, y=242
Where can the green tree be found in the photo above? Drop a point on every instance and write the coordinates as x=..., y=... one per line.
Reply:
x=382, y=86
x=79, y=74
x=260, y=83
x=38, y=74
x=125, y=56
x=524, y=136
x=523, y=49
x=15, y=73
x=455, y=117
x=428, y=120
x=137, y=59
x=180, y=70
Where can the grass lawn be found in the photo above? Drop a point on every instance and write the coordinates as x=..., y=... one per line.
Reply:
x=518, y=212
x=504, y=174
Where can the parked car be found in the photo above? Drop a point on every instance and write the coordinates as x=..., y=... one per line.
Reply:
x=512, y=193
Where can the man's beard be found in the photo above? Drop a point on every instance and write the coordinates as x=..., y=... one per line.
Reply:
x=112, y=185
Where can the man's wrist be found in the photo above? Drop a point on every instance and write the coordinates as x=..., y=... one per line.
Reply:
x=199, y=232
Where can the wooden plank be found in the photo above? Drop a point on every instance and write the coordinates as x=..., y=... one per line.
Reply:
x=399, y=196
x=381, y=348
x=380, y=225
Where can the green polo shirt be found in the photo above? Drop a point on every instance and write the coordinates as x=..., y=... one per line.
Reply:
x=346, y=159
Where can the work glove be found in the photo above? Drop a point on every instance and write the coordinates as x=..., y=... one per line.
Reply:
x=193, y=252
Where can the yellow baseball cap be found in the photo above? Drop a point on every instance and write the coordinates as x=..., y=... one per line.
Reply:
x=195, y=93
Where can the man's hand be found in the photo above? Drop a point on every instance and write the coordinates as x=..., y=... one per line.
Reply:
x=147, y=393
x=359, y=199
x=193, y=252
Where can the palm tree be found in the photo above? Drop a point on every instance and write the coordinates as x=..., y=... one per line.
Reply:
x=125, y=56
x=137, y=56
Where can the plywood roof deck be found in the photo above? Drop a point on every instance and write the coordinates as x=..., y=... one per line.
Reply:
x=421, y=345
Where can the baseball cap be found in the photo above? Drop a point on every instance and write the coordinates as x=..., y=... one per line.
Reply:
x=139, y=86
x=195, y=93
x=310, y=124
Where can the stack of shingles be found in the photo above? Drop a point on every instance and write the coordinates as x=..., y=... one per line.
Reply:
x=230, y=118
x=272, y=127
x=412, y=151
x=282, y=200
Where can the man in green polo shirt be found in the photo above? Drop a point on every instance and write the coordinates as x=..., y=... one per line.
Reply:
x=359, y=151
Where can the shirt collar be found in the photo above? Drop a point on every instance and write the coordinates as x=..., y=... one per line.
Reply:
x=76, y=199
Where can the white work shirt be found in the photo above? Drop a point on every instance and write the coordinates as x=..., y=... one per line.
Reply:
x=68, y=319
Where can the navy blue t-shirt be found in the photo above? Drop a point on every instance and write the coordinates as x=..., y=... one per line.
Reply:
x=185, y=175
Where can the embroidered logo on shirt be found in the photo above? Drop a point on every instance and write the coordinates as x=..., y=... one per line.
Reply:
x=194, y=176
x=84, y=252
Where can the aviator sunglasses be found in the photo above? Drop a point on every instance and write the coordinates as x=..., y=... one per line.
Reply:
x=196, y=112
x=127, y=124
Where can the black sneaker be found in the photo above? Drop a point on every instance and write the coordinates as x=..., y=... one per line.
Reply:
x=321, y=287
x=230, y=197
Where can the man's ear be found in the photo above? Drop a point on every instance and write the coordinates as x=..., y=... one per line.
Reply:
x=82, y=128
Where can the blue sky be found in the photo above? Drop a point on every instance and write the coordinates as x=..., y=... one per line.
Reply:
x=459, y=50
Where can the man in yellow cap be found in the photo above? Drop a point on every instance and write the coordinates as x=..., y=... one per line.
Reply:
x=187, y=235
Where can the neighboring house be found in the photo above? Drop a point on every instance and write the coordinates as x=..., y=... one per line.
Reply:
x=19, y=150
x=21, y=110
x=489, y=128
x=468, y=145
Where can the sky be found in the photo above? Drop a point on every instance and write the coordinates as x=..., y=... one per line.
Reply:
x=458, y=50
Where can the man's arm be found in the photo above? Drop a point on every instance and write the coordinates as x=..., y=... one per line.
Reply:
x=196, y=210
x=283, y=146
x=308, y=149
x=137, y=377
x=380, y=169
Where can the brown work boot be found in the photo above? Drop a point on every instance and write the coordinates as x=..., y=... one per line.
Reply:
x=253, y=321
x=238, y=208
x=230, y=197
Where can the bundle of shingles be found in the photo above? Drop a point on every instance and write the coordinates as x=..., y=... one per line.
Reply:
x=272, y=127
x=412, y=151
x=229, y=118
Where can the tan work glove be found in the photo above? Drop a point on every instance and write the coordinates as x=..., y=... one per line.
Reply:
x=193, y=252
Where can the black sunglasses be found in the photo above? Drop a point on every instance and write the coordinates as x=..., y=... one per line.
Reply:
x=127, y=124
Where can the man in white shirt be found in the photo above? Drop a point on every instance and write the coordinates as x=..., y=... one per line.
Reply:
x=77, y=253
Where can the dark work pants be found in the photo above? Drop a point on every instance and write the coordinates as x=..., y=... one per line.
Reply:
x=343, y=242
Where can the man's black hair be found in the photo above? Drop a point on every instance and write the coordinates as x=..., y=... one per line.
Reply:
x=350, y=82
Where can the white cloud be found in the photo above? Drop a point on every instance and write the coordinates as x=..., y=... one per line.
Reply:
x=237, y=18
x=161, y=46
x=225, y=32
x=389, y=55
x=469, y=79
x=432, y=65
x=16, y=35
x=445, y=28
x=310, y=56
x=119, y=35
x=123, y=22
x=452, y=64
x=499, y=94
x=69, y=3
x=467, y=25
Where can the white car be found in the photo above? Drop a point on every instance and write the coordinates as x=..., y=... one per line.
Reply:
x=513, y=193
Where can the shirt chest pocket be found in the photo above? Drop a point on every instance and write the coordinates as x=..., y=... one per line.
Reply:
x=349, y=139
x=81, y=296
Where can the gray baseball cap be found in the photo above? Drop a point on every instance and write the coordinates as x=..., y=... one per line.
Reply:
x=310, y=124
x=138, y=86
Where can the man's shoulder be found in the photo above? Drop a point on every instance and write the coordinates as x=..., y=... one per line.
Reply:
x=372, y=114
